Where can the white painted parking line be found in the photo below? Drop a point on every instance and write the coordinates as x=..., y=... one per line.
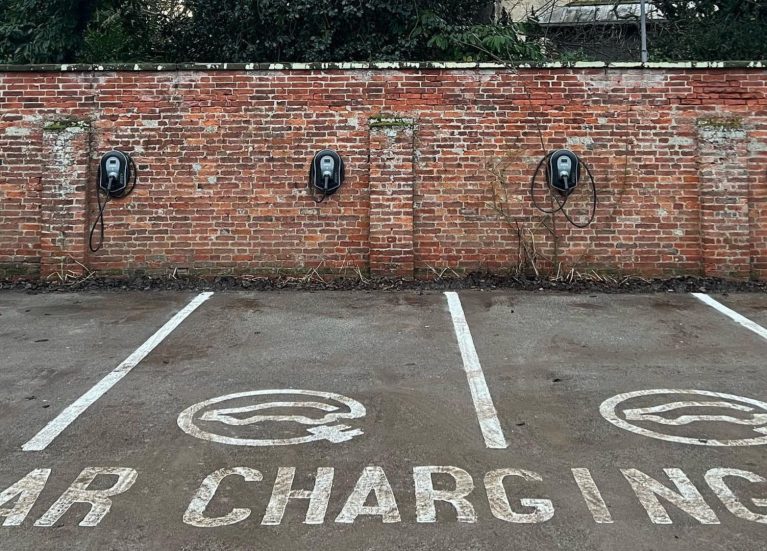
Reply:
x=732, y=314
x=480, y=394
x=43, y=438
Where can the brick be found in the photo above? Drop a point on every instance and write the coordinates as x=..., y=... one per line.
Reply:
x=224, y=156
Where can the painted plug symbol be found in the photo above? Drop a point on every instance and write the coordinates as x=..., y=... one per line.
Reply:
x=647, y=414
x=321, y=427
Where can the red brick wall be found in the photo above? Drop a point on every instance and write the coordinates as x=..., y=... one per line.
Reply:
x=438, y=165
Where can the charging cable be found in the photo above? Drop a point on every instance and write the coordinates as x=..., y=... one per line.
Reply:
x=109, y=194
x=561, y=199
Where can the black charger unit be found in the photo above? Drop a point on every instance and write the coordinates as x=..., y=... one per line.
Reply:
x=116, y=179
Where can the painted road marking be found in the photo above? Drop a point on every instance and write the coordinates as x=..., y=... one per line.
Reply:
x=43, y=438
x=746, y=415
x=592, y=496
x=732, y=314
x=480, y=394
x=373, y=496
x=323, y=427
x=27, y=490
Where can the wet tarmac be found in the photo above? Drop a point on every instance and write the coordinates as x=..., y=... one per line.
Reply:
x=378, y=420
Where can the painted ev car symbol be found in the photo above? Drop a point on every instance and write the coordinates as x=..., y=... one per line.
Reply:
x=249, y=414
x=690, y=411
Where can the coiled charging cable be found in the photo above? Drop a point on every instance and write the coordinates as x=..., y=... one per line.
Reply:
x=558, y=197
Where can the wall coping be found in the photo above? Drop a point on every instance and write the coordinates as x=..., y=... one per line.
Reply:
x=376, y=65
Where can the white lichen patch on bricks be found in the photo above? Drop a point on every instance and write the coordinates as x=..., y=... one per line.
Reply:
x=18, y=131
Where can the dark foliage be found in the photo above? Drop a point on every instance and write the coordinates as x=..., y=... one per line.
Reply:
x=64, y=31
x=90, y=31
x=712, y=30
x=312, y=30
x=38, y=31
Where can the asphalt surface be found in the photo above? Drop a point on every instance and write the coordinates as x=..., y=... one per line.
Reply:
x=374, y=385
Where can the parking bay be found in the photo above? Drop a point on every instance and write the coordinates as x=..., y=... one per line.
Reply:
x=549, y=362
